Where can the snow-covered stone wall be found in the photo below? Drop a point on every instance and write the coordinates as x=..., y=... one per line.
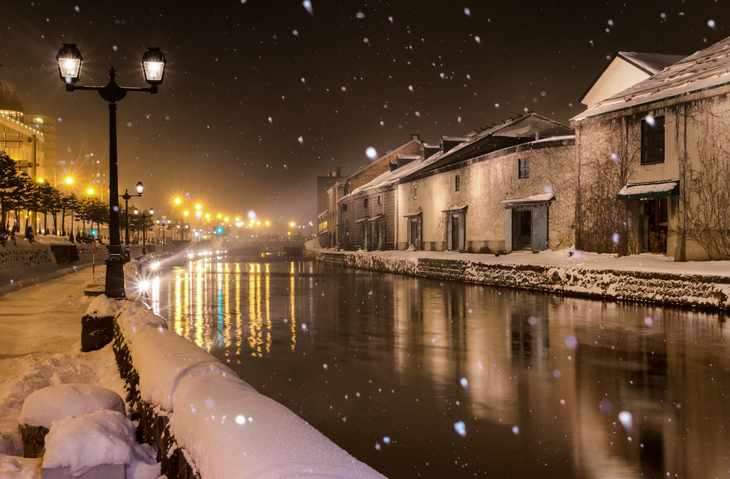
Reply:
x=203, y=419
x=24, y=264
x=692, y=290
x=15, y=257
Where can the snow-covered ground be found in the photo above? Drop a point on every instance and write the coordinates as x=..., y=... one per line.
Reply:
x=40, y=344
x=647, y=262
x=226, y=428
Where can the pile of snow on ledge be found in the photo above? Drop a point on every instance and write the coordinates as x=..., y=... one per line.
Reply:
x=228, y=429
x=102, y=437
x=50, y=404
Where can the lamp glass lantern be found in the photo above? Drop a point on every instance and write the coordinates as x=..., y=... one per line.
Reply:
x=69, y=63
x=140, y=188
x=153, y=66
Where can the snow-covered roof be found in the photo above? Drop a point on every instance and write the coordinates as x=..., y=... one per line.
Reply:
x=414, y=138
x=524, y=126
x=651, y=63
x=702, y=70
x=390, y=177
x=529, y=126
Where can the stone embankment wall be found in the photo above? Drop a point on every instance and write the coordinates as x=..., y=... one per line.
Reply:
x=25, y=264
x=701, y=291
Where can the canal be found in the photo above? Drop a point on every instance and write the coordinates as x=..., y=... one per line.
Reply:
x=423, y=378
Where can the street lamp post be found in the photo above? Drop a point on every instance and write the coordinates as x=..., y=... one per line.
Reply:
x=126, y=196
x=163, y=222
x=69, y=66
x=144, y=217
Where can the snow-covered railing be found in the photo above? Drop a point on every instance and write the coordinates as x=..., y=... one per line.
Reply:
x=203, y=418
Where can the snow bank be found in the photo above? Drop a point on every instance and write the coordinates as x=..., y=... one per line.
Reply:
x=48, y=405
x=138, y=317
x=101, y=306
x=102, y=437
x=18, y=467
x=163, y=359
x=234, y=432
x=222, y=425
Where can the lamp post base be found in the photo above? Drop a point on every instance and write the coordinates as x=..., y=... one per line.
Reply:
x=114, y=286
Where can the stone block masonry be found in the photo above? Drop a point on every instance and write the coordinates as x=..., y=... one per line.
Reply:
x=684, y=290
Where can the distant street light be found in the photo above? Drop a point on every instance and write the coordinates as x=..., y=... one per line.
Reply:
x=153, y=66
x=127, y=196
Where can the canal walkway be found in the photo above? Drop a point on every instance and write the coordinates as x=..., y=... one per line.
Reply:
x=647, y=278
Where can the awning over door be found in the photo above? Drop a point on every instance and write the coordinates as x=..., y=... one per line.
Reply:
x=650, y=191
x=412, y=215
x=377, y=217
x=455, y=209
x=536, y=200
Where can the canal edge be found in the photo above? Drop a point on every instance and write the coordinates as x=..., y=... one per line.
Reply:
x=707, y=292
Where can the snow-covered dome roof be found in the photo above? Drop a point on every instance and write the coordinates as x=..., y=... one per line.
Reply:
x=9, y=98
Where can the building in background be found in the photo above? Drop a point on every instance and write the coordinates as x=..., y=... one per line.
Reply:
x=22, y=141
x=654, y=164
x=324, y=183
x=497, y=189
x=343, y=230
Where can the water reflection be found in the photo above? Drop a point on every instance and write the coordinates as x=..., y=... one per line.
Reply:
x=537, y=381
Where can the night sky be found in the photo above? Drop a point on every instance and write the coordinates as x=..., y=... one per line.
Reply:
x=260, y=97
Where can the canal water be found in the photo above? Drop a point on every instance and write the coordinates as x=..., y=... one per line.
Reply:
x=423, y=378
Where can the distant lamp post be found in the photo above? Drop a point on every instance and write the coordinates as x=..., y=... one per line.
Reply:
x=126, y=196
x=144, y=217
x=69, y=67
x=163, y=222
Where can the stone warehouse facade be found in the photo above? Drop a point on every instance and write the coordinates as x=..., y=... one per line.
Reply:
x=643, y=169
x=340, y=220
x=520, y=197
x=654, y=164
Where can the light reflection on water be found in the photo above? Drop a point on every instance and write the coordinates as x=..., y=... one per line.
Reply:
x=364, y=356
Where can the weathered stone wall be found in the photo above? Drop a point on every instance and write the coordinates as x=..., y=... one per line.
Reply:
x=708, y=292
x=23, y=257
x=484, y=182
x=697, y=139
